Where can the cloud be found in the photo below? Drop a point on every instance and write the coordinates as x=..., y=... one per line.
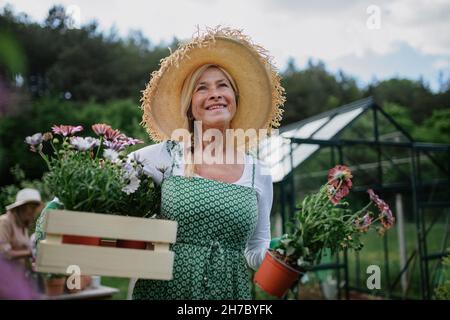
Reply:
x=404, y=62
x=441, y=64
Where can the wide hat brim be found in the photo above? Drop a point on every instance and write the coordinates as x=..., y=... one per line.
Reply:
x=260, y=93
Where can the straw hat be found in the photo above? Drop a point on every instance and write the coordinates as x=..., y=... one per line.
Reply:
x=260, y=94
x=24, y=196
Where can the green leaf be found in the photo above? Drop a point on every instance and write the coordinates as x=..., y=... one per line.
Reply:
x=290, y=251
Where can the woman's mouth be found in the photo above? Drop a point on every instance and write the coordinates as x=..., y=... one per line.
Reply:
x=216, y=107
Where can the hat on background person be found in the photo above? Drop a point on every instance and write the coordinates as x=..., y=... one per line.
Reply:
x=27, y=195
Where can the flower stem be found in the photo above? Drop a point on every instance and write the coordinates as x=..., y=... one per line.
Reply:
x=99, y=147
x=45, y=159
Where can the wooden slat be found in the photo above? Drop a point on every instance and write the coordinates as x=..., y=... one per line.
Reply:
x=161, y=247
x=110, y=226
x=53, y=238
x=104, y=261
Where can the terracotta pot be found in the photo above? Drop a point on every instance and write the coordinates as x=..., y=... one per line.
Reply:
x=131, y=244
x=85, y=282
x=88, y=241
x=274, y=276
x=55, y=286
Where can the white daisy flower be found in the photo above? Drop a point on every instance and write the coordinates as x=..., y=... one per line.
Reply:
x=84, y=144
x=132, y=186
x=111, y=155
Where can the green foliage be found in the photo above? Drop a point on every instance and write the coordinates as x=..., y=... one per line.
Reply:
x=442, y=292
x=44, y=113
x=86, y=179
x=322, y=223
x=413, y=94
x=7, y=196
x=79, y=182
x=123, y=114
x=8, y=192
x=82, y=62
x=436, y=128
x=12, y=59
x=401, y=115
x=315, y=90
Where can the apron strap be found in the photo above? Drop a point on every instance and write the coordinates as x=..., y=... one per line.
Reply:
x=253, y=172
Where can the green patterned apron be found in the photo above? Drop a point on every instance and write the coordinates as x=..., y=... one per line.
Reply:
x=215, y=220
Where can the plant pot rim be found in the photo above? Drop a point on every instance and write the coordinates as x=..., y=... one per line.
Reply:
x=271, y=253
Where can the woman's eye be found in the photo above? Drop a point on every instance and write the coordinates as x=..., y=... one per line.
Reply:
x=223, y=85
x=201, y=88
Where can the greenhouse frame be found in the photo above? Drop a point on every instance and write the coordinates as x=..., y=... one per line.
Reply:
x=412, y=176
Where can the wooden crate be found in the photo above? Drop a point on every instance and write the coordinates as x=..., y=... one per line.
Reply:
x=55, y=256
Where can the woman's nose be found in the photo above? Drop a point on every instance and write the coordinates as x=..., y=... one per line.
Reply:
x=215, y=94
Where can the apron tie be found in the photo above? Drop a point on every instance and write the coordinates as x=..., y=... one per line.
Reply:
x=215, y=254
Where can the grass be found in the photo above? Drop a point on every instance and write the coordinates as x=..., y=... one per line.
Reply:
x=373, y=254
x=119, y=283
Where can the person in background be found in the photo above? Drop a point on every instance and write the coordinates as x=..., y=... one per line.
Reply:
x=14, y=284
x=15, y=243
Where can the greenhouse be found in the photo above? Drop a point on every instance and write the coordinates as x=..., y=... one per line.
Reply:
x=413, y=177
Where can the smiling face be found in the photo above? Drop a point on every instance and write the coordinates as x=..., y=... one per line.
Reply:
x=213, y=99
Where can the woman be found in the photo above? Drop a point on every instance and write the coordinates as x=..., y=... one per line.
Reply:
x=15, y=243
x=216, y=82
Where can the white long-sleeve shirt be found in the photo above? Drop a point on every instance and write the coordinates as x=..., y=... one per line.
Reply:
x=157, y=156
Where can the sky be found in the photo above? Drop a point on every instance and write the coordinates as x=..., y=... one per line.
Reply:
x=367, y=39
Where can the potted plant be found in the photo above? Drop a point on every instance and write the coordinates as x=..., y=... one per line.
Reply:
x=54, y=284
x=442, y=291
x=94, y=175
x=324, y=221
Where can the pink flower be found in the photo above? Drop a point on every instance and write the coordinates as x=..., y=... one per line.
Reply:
x=130, y=141
x=111, y=134
x=339, y=183
x=66, y=130
x=100, y=128
x=367, y=221
x=340, y=173
x=386, y=216
x=116, y=145
x=335, y=195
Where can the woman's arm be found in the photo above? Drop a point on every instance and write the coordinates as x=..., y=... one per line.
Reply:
x=6, y=238
x=259, y=242
x=17, y=254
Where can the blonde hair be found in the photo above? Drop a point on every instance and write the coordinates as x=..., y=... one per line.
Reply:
x=186, y=106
